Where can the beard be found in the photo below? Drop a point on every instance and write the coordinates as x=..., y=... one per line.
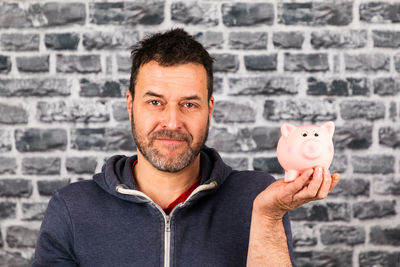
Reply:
x=164, y=162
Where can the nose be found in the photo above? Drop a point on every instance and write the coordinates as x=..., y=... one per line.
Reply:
x=171, y=118
x=311, y=149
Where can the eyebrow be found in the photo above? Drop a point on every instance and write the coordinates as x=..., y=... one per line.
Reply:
x=192, y=97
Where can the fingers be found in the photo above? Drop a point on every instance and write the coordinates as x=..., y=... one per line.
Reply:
x=300, y=181
x=310, y=192
x=326, y=185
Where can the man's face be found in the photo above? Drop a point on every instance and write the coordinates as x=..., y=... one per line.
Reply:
x=170, y=114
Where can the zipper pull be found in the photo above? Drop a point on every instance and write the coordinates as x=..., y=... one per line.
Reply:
x=167, y=223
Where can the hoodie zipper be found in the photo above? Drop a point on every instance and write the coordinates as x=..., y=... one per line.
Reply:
x=167, y=218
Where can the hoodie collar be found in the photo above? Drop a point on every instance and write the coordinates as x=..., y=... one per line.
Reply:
x=117, y=171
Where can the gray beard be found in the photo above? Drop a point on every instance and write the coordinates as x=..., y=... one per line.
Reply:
x=161, y=162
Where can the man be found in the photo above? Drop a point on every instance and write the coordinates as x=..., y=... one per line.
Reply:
x=176, y=203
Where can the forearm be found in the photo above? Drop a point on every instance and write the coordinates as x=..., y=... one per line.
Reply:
x=267, y=244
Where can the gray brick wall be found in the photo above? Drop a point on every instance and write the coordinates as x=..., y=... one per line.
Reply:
x=64, y=71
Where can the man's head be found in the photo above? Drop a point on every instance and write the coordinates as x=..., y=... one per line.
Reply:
x=171, y=48
x=170, y=102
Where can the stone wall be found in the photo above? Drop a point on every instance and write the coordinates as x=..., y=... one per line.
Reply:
x=64, y=71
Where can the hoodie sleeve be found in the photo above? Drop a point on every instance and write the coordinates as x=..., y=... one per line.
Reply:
x=289, y=238
x=55, y=244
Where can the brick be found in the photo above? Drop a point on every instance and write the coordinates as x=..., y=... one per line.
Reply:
x=379, y=12
x=339, y=163
x=396, y=59
x=194, y=13
x=59, y=14
x=78, y=64
x=367, y=62
x=41, y=166
x=5, y=64
x=36, y=139
x=299, y=110
x=11, y=114
x=268, y=164
x=318, y=13
x=248, y=40
x=33, y=64
x=261, y=62
x=100, y=88
x=75, y=111
x=103, y=139
x=328, y=257
x=389, y=136
x=263, y=85
x=342, y=234
x=7, y=211
x=15, y=187
x=225, y=63
x=393, y=110
x=61, y=41
x=35, y=87
x=223, y=140
x=218, y=85
x=339, y=39
x=209, y=39
x=265, y=138
x=380, y=235
x=306, y=62
x=374, y=209
x=378, y=258
x=21, y=237
x=362, y=109
x=5, y=141
x=287, y=40
x=48, y=187
x=13, y=16
x=120, y=113
x=338, y=87
x=389, y=39
x=19, y=42
x=127, y=13
x=387, y=86
x=228, y=112
x=304, y=235
x=353, y=187
x=124, y=63
x=247, y=14
x=109, y=40
x=237, y=163
x=386, y=186
x=81, y=165
x=8, y=258
x=354, y=136
x=322, y=212
x=378, y=164
x=33, y=211
x=8, y=165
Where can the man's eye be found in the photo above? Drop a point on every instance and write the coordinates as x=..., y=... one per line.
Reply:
x=155, y=102
x=189, y=105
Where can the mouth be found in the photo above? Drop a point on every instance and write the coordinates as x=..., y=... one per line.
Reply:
x=170, y=141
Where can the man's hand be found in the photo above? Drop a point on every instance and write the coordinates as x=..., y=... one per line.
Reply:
x=268, y=244
x=280, y=197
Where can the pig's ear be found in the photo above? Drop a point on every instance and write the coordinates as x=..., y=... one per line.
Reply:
x=286, y=128
x=329, y=127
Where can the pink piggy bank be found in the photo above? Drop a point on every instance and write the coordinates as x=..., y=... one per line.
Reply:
x=304, y=147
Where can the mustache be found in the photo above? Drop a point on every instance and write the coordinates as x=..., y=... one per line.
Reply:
x=171, y=135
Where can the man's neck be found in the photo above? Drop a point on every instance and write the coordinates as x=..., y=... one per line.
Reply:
x=164, y=187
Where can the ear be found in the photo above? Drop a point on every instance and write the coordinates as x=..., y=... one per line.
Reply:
x=286, y=128
x=129, y=103
x=210, y=107
x=329, y=127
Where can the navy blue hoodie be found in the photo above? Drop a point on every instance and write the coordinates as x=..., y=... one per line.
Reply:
x=108, y=222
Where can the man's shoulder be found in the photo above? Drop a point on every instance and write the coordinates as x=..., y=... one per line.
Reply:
x=79, y=189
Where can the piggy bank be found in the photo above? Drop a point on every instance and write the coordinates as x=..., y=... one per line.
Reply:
x=304, y=147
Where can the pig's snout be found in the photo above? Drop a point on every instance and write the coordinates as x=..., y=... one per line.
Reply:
x=312, y=149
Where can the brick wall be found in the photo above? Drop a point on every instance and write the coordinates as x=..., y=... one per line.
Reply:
x=64, y=71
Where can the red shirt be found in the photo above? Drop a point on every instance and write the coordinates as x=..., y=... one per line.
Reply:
x=182, y=197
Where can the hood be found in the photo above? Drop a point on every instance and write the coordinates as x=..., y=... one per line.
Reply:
x=117, y=171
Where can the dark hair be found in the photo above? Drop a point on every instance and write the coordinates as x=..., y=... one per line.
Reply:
x=171, y=48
